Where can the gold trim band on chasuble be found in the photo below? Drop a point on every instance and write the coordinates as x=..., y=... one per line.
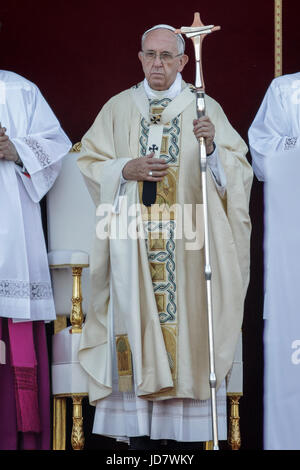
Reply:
x=160, y=227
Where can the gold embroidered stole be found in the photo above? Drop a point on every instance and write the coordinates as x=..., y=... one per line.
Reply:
x=160, y=228
x=159, y=223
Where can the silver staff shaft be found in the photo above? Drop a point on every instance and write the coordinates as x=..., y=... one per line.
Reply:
x=197, y=32
x=208, y=274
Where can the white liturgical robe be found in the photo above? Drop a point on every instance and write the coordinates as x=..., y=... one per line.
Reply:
x=276, y=127
x=275, y=148
x=25, y=286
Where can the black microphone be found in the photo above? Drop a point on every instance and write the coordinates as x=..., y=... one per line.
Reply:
x=149, y=193
x=149, y=187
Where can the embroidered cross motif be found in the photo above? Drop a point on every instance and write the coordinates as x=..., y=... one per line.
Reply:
x=153, y=148
x=155, y=119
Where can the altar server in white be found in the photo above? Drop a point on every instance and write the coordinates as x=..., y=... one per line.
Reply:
x=274, y=138
x=32, y=145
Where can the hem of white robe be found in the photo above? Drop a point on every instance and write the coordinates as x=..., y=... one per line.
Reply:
x=27, y=310
x=123, y=415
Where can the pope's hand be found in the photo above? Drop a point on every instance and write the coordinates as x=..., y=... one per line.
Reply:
x=7, y=149
x=203, y=127
x=145, y=169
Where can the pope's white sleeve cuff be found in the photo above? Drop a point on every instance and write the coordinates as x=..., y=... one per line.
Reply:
x=217, y=170
x=120, y=192
x=122, y=179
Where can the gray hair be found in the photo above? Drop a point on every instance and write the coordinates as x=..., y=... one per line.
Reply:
x=179, y=37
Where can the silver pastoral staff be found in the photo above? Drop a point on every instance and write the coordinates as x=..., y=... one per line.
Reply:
x=197, y=32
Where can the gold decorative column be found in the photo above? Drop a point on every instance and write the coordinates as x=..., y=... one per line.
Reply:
x=59, y=423
x=208, y=445
x=77, y=437
x=234, y=434
x=59, y=402
x=60, y=323
x=76, y=317
x=278, y=37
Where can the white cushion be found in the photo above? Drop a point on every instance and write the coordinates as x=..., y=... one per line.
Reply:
x=63, y=258
x=67, y=374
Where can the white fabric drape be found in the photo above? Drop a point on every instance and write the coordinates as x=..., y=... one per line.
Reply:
x=275, y=148
x=25, y=287
x=282, y=325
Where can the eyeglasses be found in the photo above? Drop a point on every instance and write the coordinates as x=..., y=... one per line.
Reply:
x=165, y=57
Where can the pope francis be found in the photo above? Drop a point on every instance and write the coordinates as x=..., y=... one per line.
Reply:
x=145, y=341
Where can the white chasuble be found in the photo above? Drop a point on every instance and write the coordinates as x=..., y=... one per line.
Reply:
x=166, y=318
x=25, y=286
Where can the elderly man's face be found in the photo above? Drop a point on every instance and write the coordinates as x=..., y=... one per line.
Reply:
x=161, y=73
